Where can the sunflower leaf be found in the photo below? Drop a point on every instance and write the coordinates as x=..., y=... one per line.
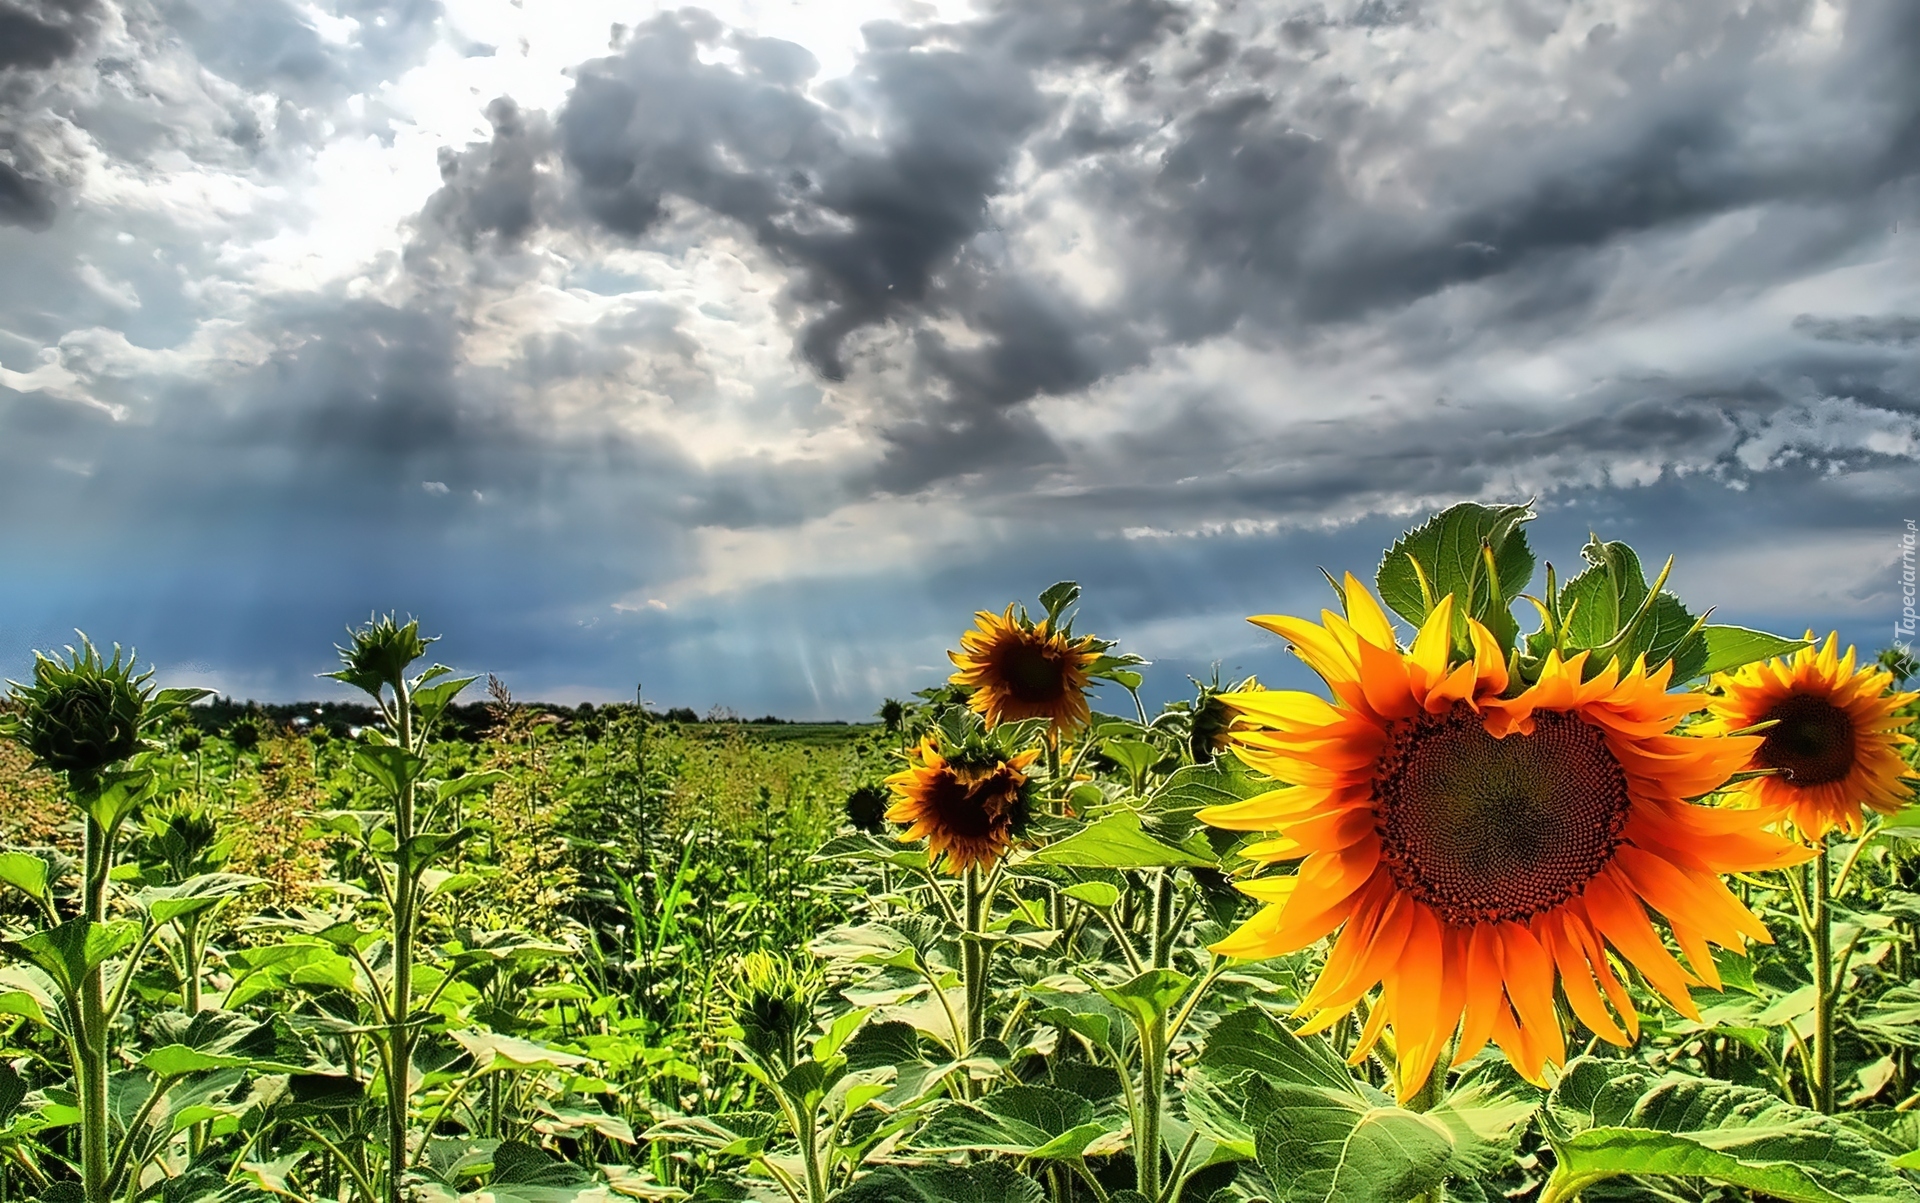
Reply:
x=1019, y=1121
x=1608, y=1119
x=1116, y=842
x=1055, y=598
x=1730, y=647
x=984, y=1182
x=1323, y=1147
x=1448, y=555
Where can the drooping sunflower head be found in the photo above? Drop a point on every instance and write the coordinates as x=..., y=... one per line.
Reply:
x=1834, y=744
x=867, y=808
x=970, y=803
x=1019, y=669
x=1472, y=848
x=1212, y=718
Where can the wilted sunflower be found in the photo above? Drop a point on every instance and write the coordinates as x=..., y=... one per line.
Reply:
x=1836, y=737
x=969, y=806
x=1477, y=847
x=1019, y=670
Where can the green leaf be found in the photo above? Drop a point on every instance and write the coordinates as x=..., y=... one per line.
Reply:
x=220, y=1040
x=1099, y=895
x=116, y=795
x=420, y=851
x=30, y=994
x=1608, y=1119
x=29, y=874
x=1096, y=1026
x=1134, y=756
x=1116, y=842
x=893, y=1043
x=1607, y=610
x=455, y=787
x=66, y=953
x=1730, y=647
x=492, y=1051
x=1485, y=1115
x=1322, y=1147
x=1146, y=997
x=839, y=1031
x=1596, y=603
x=1055, y=598
x=1018, y=1121
x=430, y=701
x=1219, y=782
x=193, y=896
x=1252, y=1040
x=984, y=1182
x=1448, y=549
x=1229, y=1091
x=13, y=1090
x=392, y=769
x=576, y=1117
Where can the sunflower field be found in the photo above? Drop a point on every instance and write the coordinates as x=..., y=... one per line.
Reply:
x=1613, y=903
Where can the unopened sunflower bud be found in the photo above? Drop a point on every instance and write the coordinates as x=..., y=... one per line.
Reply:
x=82, y=713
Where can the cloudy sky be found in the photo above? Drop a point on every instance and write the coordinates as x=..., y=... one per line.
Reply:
x=745, y=350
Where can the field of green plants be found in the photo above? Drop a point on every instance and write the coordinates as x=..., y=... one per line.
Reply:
x=1621, y=907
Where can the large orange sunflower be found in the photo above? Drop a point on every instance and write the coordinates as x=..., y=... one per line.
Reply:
x=1019, y=670
x=969, y=806
x=1471, y=849
x=1836, y=739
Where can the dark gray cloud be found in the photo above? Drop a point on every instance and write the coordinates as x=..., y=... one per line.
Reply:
x=24, y=201
x=496, y=188
x=1228, y=159
x=36, y=34
x=1898, y=331
x=877, y=226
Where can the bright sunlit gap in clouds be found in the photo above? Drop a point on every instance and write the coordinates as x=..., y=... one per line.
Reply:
x=746, y=350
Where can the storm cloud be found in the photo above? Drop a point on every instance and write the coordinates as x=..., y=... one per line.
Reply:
x=754, y=358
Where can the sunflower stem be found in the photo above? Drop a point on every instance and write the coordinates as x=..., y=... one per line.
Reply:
x=973, y=955
x=1823, y=982
x=1153, y=1048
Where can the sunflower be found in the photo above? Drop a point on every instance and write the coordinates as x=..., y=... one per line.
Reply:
x=1471, y=848
x=969, y=806
x=1019, y=670
x=1836, y=741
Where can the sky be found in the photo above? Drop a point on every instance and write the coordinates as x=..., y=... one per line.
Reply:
x=742, y=352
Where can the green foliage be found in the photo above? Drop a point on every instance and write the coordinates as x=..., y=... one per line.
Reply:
x=538, y=955
x=1609, y=1119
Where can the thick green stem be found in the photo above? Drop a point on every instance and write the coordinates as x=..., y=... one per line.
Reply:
x=1823, y=982
x=1153, y=1051
x=399, y=1035
x=1563, y=1187
x=92, y=1067
x=973, y=956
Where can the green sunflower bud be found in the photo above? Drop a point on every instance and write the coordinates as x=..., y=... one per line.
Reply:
x=773, y=999
x=377, y=654
x=82, y=713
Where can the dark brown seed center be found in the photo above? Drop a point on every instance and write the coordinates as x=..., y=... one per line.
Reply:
x=1814, y=741
x=1032, y=671
x=972, y=805
x=1483, y=829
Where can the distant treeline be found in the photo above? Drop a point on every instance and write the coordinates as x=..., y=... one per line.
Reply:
x=468, y=721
